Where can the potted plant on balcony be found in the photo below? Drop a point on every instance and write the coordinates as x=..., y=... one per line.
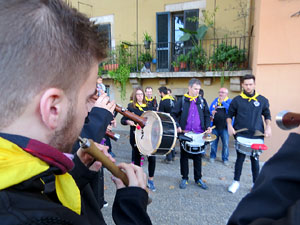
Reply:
x=220, y=56
x=197, y=58
x=146, y=58
x=229, y=57
x=175, y=65
x=147, y=40
x=182, y=59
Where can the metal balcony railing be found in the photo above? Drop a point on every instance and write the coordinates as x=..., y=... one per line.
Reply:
x=208, y=55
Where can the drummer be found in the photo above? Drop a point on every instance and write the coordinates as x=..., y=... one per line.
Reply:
x=191, y=113
x=248, y=109
x=151, y=101
x=138, y=106
x=165, y=105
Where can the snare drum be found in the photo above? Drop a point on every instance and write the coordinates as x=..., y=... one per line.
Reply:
x=158, y=137
x=196, y=146
x=243, y=145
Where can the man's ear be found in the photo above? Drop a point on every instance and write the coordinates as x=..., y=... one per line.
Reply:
x=53, y=103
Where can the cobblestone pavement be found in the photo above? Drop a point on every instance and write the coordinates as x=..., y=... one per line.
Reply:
x=193, y=205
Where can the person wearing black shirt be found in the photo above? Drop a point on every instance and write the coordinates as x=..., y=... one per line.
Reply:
x=275, y=197
x=151, y=101
x=48, y=75
x=138, y=106
x=218, y=111
x=165, y=105
x=247, y=110
x=191, y=113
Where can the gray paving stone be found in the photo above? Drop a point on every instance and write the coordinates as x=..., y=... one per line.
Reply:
x=193, y=205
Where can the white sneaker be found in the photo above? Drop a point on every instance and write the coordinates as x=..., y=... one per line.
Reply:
x=234, y=186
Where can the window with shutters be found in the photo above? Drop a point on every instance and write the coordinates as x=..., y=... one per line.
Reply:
x=168, y=34
x=105, y=29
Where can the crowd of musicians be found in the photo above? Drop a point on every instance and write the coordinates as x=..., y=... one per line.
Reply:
x=192, y=114
x=49, y=65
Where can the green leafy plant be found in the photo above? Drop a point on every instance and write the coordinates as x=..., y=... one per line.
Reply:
x=182, y=58
x=147, y=37
x=121, y=77
x=145, y=57
x=197, y=58
x=175, y=64
x=228, y=57
x=147, y=40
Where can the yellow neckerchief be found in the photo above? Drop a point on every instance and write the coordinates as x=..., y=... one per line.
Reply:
x=191, y=98
x=149, y=100
x=249, y=98
x=167, y=97
x=140, y=106
x=220, y=103
x=17, y=166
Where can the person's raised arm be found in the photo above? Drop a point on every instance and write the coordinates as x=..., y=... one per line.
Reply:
x=231, y=130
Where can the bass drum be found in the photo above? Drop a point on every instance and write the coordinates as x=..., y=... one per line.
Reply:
x=159, y=135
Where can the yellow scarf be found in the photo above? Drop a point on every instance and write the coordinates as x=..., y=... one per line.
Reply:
x=149, y=99
x=17, y=166
x=167, y=97
x=140, y=106
x=191, y=98
x=220, y=103
x=249, y=98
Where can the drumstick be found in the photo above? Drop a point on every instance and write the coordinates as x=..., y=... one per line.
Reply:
x=241, y=130
x=137, y=126
x=186, y=131
x=213, y=127
x=258, y=133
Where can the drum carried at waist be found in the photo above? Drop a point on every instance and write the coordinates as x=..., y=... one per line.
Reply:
x=250, y=147
x=197, y=143
x=159, y=135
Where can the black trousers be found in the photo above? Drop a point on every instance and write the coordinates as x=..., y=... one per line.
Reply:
x=97, y=186
x=184, y=164
x=137, y=161
x=239, y=166
x=171, y=155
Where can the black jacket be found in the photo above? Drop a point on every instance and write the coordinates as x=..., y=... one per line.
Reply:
x=93, y=193
x=275, y=197
x=152, y=105
x=29, y=203
x=249, y=115
x=166, y=105
x=95, y=125
x=26, y=204
x=181, y=111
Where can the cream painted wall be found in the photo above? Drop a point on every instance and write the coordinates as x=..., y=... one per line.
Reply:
x=228, y=19
x=232, y=17
x=276, y=62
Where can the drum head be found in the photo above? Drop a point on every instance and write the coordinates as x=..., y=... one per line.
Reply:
x=197, y=139
x=149, y=138
x=249, y=141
